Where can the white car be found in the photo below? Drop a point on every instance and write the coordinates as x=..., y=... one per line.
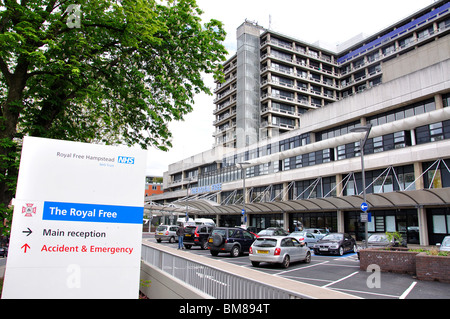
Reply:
x=278, y=249
x=445, y=245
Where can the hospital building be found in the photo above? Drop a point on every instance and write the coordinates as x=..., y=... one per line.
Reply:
x=290, y=120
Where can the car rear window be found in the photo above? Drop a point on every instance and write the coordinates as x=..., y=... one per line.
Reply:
x=265, y=242
x=190, y=229
x=161, y=228
x=223, y=232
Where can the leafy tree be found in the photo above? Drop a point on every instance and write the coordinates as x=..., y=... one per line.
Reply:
x=99, y=71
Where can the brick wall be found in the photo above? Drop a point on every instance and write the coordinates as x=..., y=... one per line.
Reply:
x=433, y=267
x=399, y=261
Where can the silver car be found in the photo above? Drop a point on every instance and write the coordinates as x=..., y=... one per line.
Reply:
x=309, y=238
x=445, y=245
x=166, y=232
x=278, y=249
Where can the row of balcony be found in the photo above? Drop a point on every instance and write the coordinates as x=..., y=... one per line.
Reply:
x=301, y=50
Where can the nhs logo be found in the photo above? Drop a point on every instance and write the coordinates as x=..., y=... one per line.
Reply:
x=125, y=160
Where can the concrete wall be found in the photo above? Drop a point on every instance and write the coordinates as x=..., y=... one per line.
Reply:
x=164, y=286
x=420, y=58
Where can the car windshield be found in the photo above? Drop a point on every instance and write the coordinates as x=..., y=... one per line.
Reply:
x=378, y=239
x=265, y=242
x=333, y=237
x=161, y=228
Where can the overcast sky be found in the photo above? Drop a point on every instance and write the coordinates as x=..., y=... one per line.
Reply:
x=329, y=21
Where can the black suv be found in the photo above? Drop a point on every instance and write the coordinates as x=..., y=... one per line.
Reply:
x=231, y=240
x=197, y=235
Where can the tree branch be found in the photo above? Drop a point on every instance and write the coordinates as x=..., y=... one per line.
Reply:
x=5, y=71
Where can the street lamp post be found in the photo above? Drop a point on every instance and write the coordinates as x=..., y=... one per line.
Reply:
x=362, y=143
x=189, y=180
x=243, y=172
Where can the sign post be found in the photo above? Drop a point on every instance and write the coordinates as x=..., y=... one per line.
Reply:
x=77, y=221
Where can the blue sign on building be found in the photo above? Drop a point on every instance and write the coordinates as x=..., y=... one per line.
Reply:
x=206, y=189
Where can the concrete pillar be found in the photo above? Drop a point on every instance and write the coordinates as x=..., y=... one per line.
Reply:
x=218, y=220
x=417, y=172
x=286, y=222
x=438, y=101
x=423, y=227
x=339, y=184
x=340, y=221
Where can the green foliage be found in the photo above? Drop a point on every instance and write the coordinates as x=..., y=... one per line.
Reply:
x=394, y=236
x=130, y=68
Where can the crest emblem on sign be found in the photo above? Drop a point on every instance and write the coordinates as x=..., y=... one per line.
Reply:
x=28, y=210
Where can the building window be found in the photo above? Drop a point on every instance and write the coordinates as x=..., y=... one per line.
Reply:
x=403, y=112
x=432, y=132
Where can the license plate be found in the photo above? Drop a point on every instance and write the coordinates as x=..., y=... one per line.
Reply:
x=160, y=233
x=210, y=240
x=188, y=235
x=262, y=251
x=323, y=249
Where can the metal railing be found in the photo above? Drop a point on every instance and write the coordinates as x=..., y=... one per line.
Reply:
x=215, y=282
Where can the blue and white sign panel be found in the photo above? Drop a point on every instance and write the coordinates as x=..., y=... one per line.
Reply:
x=364, y=207
x=77, y=223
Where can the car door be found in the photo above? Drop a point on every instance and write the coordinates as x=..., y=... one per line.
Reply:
x=247, y=240
x=298, y=250
x=348, y=243
x=310, y=239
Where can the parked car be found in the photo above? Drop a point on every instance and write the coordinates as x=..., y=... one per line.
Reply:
x=380, y=240
x=231, y=240
x=197, y=236
x=319, y=233
x=273, y=231
x=445, y=245
x=4, y=251
x=278, y=249
x=335, y=243
x=303, y=236
x=251, y=229
x=166, y=232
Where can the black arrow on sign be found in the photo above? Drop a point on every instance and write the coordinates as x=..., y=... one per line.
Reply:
x=27, y=231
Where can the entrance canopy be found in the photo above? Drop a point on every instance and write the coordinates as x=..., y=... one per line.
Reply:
x=391, y=200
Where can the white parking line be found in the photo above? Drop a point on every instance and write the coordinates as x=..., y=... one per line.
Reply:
x=300, y=268
x=334, y=282
x=365, y=292
x=306, y=278
x=407, y=291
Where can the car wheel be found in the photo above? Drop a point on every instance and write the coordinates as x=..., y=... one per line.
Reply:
x=235, y=251
x=171, y=240
x=188, y=246
x=158, y=240
x=308, y=257
x=214, y=252
x=355, y=249
x=341, y=251
x=286, y=261
x=255, y=263
x=204, y=244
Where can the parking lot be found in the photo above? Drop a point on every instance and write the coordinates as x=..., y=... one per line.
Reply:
x=342, y=273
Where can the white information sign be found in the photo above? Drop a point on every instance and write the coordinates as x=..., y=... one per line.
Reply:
x=77, y=223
